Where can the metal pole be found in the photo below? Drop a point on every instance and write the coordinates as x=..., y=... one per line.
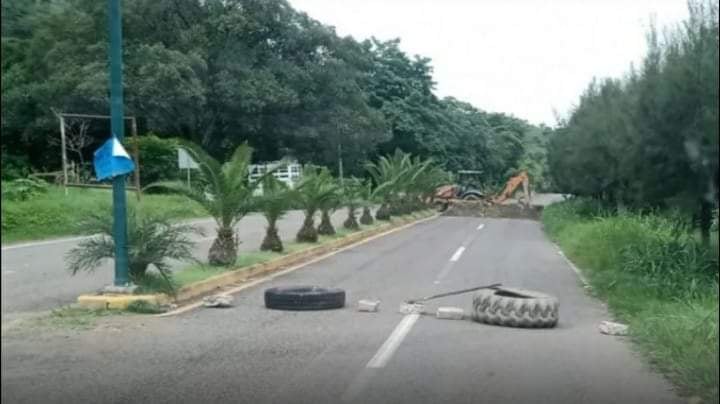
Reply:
x=118, y=129
x=64, y=154
x=136, y=152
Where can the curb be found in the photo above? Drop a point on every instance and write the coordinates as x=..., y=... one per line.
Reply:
x=240, y=276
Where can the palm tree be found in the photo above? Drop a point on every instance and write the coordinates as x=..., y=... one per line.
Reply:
x=387, y=174
x=227, y=196
x=352, y=197
x=315, y=187
x=273, y=203
x=151, y=240
x=366, y=200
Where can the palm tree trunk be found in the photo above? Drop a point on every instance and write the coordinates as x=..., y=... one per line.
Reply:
x=351, y=222
x=272, y=241
x=326, y=228
x=383, y=213
x=223, y=250
x=366, y=217
x=307, y=233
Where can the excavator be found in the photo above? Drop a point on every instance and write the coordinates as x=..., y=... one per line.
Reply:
x=446, y=194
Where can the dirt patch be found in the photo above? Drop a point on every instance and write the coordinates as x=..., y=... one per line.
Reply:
x=483, y=209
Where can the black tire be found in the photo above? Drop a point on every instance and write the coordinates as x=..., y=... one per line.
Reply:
x=472, y=196
x=304, y=298
x=515, y=308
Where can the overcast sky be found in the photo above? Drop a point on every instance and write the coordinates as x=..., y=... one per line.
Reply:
x=524, y=57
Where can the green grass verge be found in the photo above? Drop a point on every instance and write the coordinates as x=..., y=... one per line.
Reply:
x=54, y=214
x=658, y=279
x=200, y=272
x=73, y=318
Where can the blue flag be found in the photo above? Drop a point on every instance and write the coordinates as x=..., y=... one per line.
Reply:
x=112, y=160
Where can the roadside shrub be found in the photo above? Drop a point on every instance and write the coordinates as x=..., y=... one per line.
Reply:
x=23, y=189
x=144, y=307
x=14, y=167
x=152, y=240
x=158, y=158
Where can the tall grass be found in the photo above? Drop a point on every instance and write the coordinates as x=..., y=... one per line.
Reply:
x=54, y=214
x=657, y=276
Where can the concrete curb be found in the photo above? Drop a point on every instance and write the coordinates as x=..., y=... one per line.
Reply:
x=240, y=276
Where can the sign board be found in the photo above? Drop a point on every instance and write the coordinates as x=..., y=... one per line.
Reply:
x=185, y=161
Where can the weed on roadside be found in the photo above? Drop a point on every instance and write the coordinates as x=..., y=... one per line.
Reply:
x=657, y=277
x=73, y=318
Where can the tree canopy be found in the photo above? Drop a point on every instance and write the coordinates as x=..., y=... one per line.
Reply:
x=650, y=139
x=223, y=72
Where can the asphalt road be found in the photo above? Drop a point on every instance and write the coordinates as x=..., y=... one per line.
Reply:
x=248, y=354
x=34, y=276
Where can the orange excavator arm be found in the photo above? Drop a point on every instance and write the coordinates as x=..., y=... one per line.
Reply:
x=512, y=185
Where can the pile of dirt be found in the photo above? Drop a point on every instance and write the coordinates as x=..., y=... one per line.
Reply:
x=484, y=209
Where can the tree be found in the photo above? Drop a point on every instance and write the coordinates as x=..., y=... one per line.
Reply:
x=315, y=188
x=227, y=196
x=273, y=204
x=352, y=194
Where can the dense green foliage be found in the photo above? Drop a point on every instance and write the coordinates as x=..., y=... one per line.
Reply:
x=650, y=139
x=657, y=277
x=152, y=240
x=220, y=73
x=158, y=158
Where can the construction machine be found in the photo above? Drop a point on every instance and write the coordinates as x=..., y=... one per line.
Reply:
x=446, y=194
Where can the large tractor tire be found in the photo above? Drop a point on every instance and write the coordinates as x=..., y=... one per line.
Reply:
x=515, y=308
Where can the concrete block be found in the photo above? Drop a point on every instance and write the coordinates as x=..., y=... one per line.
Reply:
x=450, y=313
x=370, y=306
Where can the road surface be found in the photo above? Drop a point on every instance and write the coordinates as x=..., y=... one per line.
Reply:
x=34, y=276
x=248, y=354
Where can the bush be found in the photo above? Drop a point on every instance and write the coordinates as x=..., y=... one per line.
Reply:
x=152, y=240
x=14, y=167
x=657, y=276
x=23, y=189
x=158, y=158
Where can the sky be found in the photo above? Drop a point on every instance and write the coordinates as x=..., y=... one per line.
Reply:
x=529, y=58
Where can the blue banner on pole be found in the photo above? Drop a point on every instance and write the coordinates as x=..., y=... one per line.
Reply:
x=111, y=160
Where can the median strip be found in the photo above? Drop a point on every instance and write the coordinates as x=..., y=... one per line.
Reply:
x=237, y=279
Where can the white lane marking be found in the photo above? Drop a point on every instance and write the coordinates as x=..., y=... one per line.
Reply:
x=8, y=272
x=457, y=254
x=391, y=345
x=572, y=266
x=481, y=226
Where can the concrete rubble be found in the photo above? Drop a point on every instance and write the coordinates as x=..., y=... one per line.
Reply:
x=370, y=306
x=611, y=328
x=219, y=301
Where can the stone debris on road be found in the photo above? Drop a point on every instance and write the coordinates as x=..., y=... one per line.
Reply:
x=611, y=328
x=370, y=306
x=450, y=313
x=222, y=300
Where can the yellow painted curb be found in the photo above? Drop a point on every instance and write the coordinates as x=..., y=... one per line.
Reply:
x=118, y=301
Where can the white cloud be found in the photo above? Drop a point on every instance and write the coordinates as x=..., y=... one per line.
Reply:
x=524, y=57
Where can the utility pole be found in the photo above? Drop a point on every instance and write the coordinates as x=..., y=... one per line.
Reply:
x=117, y=124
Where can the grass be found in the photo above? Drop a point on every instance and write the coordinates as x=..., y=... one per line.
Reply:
x=199, y=272
x=655, y=276
x=74, y=318
x=54, y=214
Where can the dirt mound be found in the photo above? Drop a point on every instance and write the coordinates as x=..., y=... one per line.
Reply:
x=484, y=209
